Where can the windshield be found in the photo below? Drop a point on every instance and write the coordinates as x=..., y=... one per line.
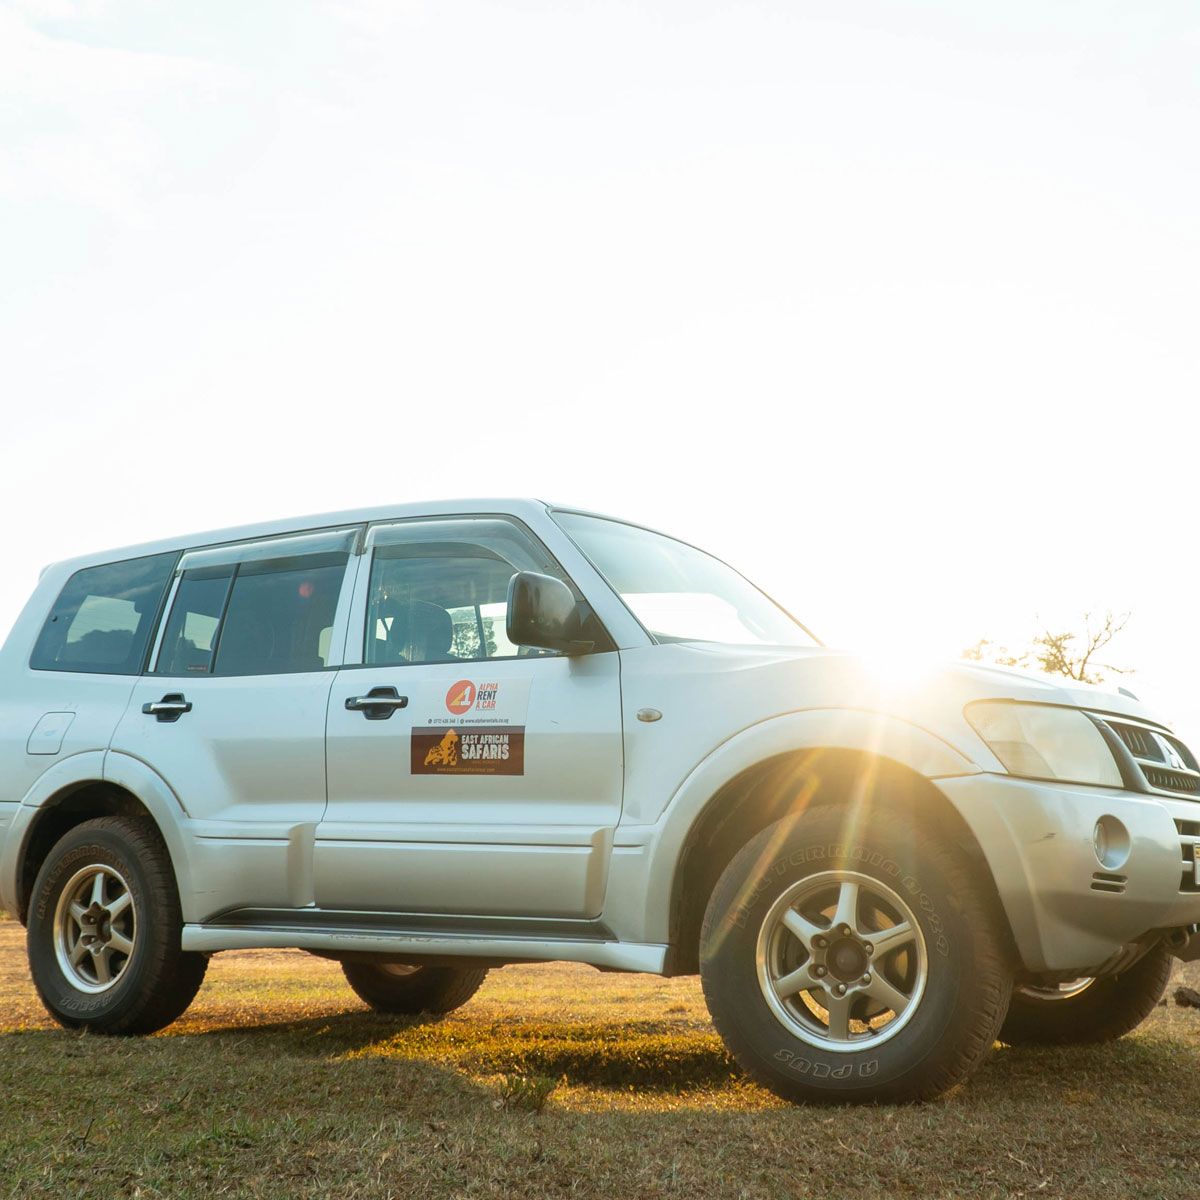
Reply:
x=679, y=593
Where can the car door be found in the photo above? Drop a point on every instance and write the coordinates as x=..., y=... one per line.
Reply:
x=467, y=775
x=232, y=713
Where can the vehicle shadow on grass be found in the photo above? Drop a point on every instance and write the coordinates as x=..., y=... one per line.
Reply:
x=649, y=1055
x=660, y=1057
x=663, y=1056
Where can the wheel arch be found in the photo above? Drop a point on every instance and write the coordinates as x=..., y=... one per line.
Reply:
x=133, y=791
x=721, y=808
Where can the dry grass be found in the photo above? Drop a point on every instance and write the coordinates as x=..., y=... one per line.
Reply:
x=278, y=1083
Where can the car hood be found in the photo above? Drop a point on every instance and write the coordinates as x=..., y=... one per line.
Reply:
x=822, y=676
x=1005, y=683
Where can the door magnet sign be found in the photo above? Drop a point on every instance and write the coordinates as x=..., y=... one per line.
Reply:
x=470, y=750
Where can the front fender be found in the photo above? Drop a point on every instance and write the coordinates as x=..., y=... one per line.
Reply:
x=877, y=734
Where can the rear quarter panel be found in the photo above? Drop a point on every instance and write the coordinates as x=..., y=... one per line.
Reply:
x=87, y=709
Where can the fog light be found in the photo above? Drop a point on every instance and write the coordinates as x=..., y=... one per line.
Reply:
x=1110, y=841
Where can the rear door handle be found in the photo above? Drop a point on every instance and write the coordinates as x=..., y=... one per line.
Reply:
x=170, y=708
x=378, y=704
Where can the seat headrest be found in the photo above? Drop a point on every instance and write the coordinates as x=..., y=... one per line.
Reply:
x=419, y=631
x=432, y=628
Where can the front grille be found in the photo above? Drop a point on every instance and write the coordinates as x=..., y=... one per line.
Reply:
x=1137, y=741
x=1189, y=760
x=1166, y=764
x=1171, y=781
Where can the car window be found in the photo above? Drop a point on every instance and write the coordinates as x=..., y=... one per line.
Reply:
x=280, y=616
x=102, y=619
x=191, y=633
x=439, y=590
x=253, y=618
x=680, y=593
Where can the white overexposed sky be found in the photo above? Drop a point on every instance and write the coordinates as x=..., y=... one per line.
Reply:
x=892, y=305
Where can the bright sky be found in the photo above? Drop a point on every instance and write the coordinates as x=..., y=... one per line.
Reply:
x=894, y=306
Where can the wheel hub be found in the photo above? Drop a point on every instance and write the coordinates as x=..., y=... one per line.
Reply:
x=846, y=959
x=95, y=927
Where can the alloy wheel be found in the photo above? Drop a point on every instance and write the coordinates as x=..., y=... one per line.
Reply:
x=95, y=928
x=842, y=961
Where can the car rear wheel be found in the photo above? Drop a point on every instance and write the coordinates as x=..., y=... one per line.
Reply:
x=1087, y=1010
x=104, y=931
x=407, y=990
x=853, y=963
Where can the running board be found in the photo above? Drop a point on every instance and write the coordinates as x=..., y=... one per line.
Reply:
x=619, y=956
x=415, y=924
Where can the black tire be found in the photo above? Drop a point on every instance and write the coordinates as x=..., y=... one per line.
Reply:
x=155, y=982
x=1103, y=1011
x=408, y=991
x=950, y=1025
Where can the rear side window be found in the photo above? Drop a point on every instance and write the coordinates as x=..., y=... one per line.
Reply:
x=256, y=618
x=101, y=622
x=191, y=634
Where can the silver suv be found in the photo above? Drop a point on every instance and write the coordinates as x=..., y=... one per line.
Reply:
x=432, y=739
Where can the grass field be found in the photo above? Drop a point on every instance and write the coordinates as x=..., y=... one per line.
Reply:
x=279, y=1083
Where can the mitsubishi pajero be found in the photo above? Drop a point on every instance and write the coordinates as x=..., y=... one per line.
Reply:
x=431, y=739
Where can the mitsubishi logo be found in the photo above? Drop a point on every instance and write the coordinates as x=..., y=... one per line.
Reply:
x=1173, y=758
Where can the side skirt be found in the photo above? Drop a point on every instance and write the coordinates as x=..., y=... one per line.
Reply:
x=416, y=936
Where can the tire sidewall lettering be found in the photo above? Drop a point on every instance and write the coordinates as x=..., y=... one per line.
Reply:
x=864, y=1069
x=845, y=857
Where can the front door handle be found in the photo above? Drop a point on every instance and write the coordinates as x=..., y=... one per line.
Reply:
x=378, y=704
x=170, y=708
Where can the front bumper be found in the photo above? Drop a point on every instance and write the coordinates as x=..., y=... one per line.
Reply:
x=1067, y=911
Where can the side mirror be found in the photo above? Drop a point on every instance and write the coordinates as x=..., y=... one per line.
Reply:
x=543, y=612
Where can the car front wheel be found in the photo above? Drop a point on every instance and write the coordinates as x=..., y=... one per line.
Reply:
x=853, y=960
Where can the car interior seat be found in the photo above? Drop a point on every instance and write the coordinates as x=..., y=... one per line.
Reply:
x=418, y=632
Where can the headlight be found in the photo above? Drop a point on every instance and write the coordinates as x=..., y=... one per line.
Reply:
x=1041, y=742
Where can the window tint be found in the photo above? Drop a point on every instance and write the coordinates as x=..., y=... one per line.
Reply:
x=102, y=619
x=191, y=632
x=280, y=616
x=439, y=590
x=255, y=618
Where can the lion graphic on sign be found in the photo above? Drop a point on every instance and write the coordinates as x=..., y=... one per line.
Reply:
x=445, y=753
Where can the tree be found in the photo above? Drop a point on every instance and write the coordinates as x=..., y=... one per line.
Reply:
x=1070, y=652
x=466, y=636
